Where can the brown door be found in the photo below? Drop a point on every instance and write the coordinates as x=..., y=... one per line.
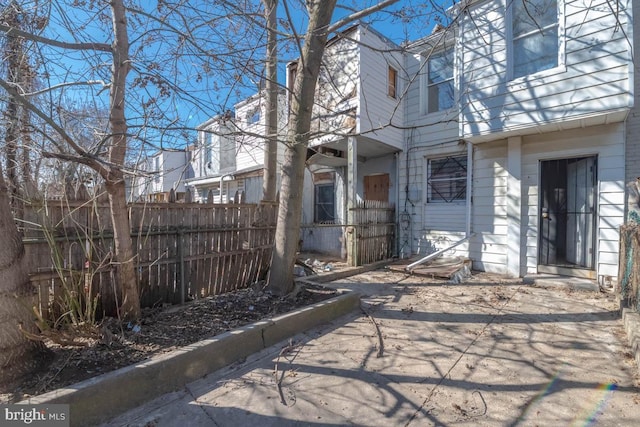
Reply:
x=376, y=187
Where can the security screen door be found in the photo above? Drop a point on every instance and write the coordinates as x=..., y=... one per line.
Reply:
x=568, y=212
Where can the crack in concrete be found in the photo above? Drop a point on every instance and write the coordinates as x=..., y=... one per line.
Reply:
x=448, y=373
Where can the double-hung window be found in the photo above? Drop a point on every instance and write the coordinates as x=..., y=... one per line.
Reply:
x=324, y=203
x=440, y=86
x=535, y=36
x=447, y=179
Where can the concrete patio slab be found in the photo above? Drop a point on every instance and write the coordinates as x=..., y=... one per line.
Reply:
x=486, y=353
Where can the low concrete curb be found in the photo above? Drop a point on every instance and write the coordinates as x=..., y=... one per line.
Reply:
x=631, y=321
x=101, y=398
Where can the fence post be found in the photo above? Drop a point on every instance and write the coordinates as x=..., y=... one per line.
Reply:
x=179, y=238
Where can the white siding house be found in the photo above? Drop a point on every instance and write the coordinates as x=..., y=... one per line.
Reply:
x=164, y=171
x=429, y=221
x=632, y=149
x=353, y=151
x=229, y=157
x=541, y=100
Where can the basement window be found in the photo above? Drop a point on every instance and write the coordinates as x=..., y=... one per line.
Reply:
x=447, y=179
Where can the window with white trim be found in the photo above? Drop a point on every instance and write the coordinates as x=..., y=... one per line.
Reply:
x=253, y=117
x=447, y=179
x=535, y=46
x=392, y=88
x=440, y=86
x=324, y=211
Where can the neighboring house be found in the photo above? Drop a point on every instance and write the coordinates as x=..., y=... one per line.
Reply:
x=353, y=152
x=162, y=172
x=229, y=157
x=535, y=174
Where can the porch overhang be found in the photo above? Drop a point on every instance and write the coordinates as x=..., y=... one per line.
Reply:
x=615, y=116
x=368, y=148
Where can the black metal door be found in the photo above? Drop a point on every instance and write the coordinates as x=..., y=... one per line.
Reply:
x=568, y=212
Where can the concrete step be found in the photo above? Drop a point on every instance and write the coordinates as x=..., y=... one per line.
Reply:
x=568, y=282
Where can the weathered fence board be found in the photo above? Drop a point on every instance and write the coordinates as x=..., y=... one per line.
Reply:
x=374, y=231
x=182, y=250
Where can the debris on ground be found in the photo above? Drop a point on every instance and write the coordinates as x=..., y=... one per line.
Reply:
x=160, y=330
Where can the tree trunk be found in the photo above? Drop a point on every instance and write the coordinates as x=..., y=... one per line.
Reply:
x=290, y=209
x=114, y=181
x=18, y=355
x=271, y=111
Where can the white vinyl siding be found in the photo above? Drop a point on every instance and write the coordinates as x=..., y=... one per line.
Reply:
x=376, y=109
x=606, y=142
x=488, y=248
x=433, y=226
x=592, y=82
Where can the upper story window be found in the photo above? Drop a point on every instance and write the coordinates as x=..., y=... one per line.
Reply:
x=535, y=36
x=392, y=89
x=440, y=86
x=156, y=168
x=208, y=149
x=254, y=116
x=447, y=179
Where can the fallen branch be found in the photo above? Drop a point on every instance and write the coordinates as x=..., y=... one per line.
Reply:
x=375, y=324
x=285, y=350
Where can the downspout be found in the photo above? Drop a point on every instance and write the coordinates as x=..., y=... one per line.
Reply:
x=468, y=232
x=397, y=156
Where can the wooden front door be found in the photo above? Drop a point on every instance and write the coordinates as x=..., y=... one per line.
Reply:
x=376, y=187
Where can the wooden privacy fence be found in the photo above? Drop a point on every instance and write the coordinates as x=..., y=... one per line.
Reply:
x=372, y=233
x=182, y=251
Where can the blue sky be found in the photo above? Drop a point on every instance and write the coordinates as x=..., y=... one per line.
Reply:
x=204, y=93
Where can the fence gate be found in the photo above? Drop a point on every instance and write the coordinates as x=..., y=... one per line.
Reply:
x=372, y=233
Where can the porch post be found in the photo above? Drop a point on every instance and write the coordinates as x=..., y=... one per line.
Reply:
x=352, y=182
x=514, y=207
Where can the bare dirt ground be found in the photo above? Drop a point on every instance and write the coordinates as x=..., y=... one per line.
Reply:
x=114, y=345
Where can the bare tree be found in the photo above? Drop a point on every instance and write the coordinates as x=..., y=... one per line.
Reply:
x=271, y=95
x=110, y=168
x=298, y=134
x=18, y=355
x=18, y=71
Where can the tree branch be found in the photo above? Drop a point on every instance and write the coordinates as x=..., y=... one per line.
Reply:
x=67, y=84
x=359, y=15
x=48, y=120
x=11, y=31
